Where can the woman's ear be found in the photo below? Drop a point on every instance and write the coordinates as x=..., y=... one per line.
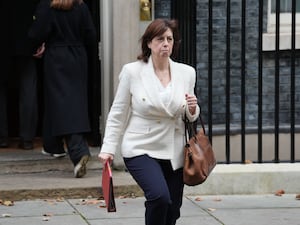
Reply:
x=149, y=45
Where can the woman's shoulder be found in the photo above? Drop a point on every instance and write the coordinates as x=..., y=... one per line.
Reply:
x=131, y=69
x=133, y=66
x=183, y=66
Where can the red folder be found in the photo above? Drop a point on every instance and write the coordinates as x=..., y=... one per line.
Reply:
x=108, y=188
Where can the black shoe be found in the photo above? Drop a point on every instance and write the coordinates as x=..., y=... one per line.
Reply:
x=26, y=145
x=3, y=143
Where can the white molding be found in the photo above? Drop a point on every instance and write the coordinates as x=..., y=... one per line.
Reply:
x=285, y=40
x=106, y=60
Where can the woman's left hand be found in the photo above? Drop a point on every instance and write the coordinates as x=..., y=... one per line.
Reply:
x=191, y=103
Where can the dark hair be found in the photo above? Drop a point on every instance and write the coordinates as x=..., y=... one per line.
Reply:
x=64, y=4
x=158, y=27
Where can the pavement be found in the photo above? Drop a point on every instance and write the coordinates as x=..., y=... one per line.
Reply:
x=204, y=210
x=38, y=189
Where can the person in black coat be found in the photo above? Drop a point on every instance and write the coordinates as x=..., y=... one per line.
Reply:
x=16, y=19
x=67, y=30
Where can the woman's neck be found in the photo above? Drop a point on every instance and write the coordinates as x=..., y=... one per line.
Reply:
x=162, y=71
x=160, y=65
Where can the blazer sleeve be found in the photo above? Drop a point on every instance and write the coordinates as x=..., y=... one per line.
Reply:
x=192, y=82
x=118, y=115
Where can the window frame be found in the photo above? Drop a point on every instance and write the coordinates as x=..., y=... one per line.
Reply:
x=285, y=31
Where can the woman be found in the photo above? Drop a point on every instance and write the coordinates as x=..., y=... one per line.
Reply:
x=66, y=28
x=153, y=96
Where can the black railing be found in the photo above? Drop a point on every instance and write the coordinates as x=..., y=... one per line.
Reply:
x=293, y=57
x=228, y=63
x=260, y=129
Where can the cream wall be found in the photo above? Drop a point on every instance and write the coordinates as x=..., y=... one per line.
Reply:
x=121, y=30
x=127, y=31
x=125, y=34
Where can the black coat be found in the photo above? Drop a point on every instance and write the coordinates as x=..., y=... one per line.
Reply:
x=21, y=18
x=67, y=35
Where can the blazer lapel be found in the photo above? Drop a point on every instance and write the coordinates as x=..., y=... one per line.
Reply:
x=150, y=85
x=177, y=101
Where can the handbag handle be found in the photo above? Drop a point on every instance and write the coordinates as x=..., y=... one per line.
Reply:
x=190, y=129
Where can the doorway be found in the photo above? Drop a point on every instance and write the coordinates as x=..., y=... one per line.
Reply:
x=94, y=89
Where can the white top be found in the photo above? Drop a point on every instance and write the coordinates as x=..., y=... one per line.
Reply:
x=165, y=92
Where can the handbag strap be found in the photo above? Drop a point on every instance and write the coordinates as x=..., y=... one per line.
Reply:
x=190, y=129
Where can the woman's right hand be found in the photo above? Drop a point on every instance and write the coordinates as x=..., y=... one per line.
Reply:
x=103, y=157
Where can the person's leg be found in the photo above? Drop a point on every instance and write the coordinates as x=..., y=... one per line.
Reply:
x=53, y=146
x=79, y=153
x=28, y=99
x=175, y=183
x=148, y=174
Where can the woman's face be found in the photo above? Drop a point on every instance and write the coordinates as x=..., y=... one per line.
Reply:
x=161, y=46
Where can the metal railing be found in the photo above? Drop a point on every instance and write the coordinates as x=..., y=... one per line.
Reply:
x=200, y=26
x=260, y=126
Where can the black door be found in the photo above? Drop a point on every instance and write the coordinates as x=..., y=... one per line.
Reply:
x=94, y=89
x=95, y=78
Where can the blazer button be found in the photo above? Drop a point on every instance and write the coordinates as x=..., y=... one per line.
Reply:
x=143, y=99
x=158, y=121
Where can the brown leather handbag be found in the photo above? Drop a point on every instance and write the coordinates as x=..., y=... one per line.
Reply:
x=199, y=157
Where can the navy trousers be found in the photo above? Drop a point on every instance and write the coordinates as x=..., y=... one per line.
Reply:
x=162, y=186
x=76, y=144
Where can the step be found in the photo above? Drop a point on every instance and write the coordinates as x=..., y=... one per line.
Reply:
x=251, y=179
x=26, y=173
x=14, y=160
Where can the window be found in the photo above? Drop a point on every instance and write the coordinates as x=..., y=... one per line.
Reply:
x=285, y=25
x=285, y=6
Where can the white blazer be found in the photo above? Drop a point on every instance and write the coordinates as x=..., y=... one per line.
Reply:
x=139, y=123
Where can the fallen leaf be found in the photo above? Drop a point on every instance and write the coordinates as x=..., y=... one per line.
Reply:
x=298, y=197
x=198, y=199
x=130, y=195
x=8, y=203
x=122, y=196
x=50, y=201
x=279, y=192
x=211, y=209
x=217, y=199
x=60, y=199
x=91, y=202
x=247, y=161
